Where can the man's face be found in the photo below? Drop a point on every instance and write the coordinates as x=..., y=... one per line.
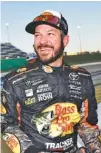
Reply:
x=48, y=43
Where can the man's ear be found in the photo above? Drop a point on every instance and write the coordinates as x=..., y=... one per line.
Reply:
x=66, y=40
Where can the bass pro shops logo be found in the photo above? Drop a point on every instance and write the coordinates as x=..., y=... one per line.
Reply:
x=73, y=76
x=57, y=120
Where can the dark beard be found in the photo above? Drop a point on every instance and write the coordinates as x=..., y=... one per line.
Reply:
x=52, y=59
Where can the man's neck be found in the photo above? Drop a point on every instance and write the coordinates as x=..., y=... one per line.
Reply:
x=57, y=63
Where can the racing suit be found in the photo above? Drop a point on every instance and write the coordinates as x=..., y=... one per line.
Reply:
x=55, y=105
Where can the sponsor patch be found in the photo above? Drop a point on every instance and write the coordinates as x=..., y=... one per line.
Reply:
x=45, y=96
x=99, y=137
x=33, y=82
x=29, y=92
x=75, y=92
x=47, y=13
x=74, y=87
x=61, y=145
x=57, y=120
x=22, y=70
x=43, y=88
x=3, y=97
x=2, y=109
x=73, y=76
x=74, y=67
x=84, y=74
x=18, y=79
x=12, y=142
x=76, y=96
x=30, y=101
x=47, y=69
x=74, y=82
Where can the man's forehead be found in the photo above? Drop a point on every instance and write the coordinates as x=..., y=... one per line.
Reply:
x=46, y=28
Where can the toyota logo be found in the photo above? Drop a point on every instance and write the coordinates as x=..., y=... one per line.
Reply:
x=73, y=76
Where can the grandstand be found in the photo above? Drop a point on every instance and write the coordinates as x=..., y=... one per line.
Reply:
x=12, y=57
x=10, y=51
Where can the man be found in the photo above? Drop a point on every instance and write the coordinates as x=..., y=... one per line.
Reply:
x=57, y=101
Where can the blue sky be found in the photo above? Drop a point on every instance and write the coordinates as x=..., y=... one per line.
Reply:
x=87, y=14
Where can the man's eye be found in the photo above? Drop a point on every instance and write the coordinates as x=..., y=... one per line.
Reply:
x=51, y=34
x=37, y=35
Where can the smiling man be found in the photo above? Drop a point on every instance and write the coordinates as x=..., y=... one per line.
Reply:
x=49, y=45
x=57, y=102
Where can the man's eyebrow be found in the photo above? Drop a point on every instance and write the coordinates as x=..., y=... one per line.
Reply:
x=50, y=30
x=37, y=32
x=46, y=31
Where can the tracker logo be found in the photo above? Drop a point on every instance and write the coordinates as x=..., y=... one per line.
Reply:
x=61, y=145
x=73, y=76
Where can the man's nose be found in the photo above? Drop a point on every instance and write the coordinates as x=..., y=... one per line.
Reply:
x=43, y=40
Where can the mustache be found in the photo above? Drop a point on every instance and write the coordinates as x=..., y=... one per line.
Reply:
x=45, y=45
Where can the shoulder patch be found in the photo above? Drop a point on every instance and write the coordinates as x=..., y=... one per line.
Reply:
x=12, y=142
x=2, y=109
x=13, y=73
x=77, y=68
x=74, y=67
x=22, y=69
x=82, y=69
